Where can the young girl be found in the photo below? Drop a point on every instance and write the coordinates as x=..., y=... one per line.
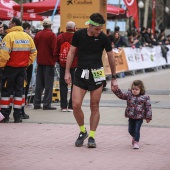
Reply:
x=138, y=108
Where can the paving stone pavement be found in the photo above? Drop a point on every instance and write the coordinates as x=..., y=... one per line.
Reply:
x=46, y=140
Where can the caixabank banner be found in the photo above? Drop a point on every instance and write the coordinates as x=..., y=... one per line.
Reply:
x=79, y=11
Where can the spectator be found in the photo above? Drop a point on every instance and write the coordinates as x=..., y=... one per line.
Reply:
x=156, y=35
x=163, y=42
x=153, y=40
x=143, y=32
x=45, y=41
x=14, y=63
x=1, y=37
x=119, y=41
x=59, y=32
x=168, y=39
x=147, y=37
x=108, y=31
x=161, y=34
x=137, y=40
x=27, y=28
x=61, y=39
x=3, y=29
x=117, y=29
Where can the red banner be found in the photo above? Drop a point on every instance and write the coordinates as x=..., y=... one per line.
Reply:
x=153, y=15
x=132, y=7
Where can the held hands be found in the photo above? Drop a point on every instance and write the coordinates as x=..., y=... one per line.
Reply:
x=148, y=120
x=114, y=85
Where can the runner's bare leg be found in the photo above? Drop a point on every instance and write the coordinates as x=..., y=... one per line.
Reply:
x=77, y=99
x=94, y=106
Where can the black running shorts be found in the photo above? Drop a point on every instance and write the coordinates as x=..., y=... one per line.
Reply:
x=86, y=84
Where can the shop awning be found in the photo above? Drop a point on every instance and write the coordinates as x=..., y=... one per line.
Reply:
x=7, y=12
x=37, y=7
x=46, y=8
x=114, y=12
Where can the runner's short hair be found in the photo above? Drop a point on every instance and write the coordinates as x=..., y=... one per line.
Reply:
x=97, y=17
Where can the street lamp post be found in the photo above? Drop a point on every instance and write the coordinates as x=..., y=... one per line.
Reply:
x=145, y=22
x=140, y=5
x=164, y=13
x=166, y=10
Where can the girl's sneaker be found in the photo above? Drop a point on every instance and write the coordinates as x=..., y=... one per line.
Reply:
x=136, y=145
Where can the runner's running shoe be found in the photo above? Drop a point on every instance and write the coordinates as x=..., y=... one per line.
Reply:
x=91, y=143
x=80, y=140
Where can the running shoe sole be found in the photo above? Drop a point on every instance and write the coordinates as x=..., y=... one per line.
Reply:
x=91, y=145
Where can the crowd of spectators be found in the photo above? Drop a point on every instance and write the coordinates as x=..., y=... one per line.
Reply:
x=138, y=39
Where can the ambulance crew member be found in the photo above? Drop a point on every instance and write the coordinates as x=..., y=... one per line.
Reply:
x=17, y=52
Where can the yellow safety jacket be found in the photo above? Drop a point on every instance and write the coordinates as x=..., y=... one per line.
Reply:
x=17, y=48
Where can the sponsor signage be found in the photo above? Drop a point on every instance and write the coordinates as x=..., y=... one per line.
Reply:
x=79, y=11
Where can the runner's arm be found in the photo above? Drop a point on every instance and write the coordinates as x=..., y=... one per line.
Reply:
x=69, y=61
x=112, y=64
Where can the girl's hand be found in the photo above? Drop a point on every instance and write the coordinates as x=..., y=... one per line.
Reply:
x=148, y=120
x=113, y=89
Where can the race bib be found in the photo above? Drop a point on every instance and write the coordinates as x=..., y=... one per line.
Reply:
x=98, y=74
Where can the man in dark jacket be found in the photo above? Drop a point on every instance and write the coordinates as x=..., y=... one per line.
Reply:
x=45, y=41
